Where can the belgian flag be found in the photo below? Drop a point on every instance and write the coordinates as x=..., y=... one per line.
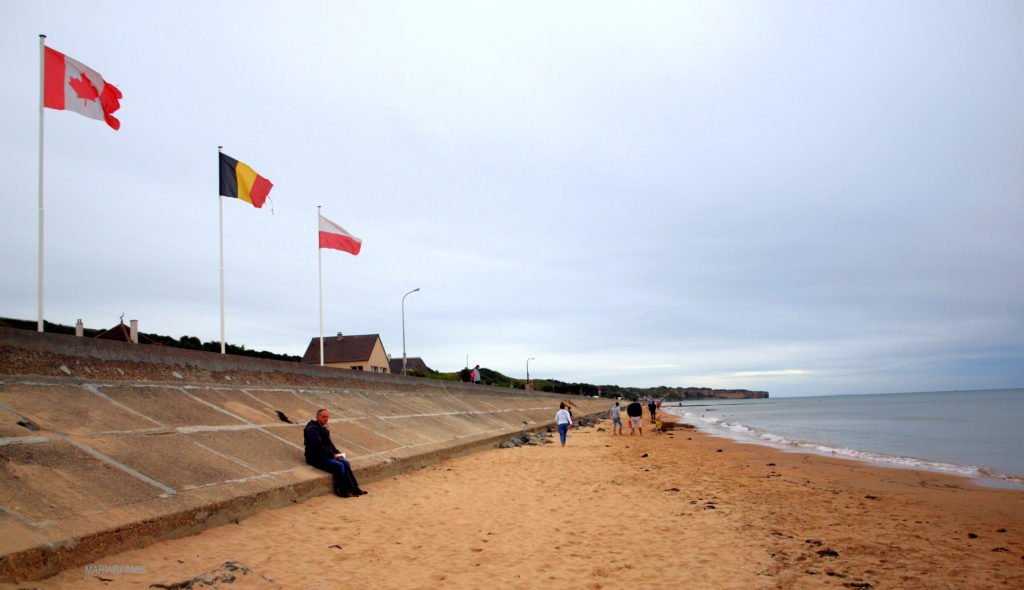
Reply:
x=239, y=181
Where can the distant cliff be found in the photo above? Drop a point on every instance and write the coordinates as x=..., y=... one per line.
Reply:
x=663, y=392
x=708, y=393
x=673, y=394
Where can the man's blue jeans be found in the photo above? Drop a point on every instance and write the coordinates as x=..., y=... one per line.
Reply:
x=344, y=479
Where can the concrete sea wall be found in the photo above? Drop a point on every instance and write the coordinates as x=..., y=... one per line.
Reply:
x=108, y=446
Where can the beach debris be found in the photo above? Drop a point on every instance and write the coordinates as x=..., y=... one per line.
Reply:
x=771, y=465
x=1001, y=550
x=814, y=542
x=1000, y=530
x=226, y=573
x=281, y=416
x=972, y=536
x=585, y=421
x=863, y=585
x=827, y=552
x=25, y=422
x=526, y=438
x=672, y=490
x=338, y=547
x=718, y=450
x=644, y=455
x=870, y=497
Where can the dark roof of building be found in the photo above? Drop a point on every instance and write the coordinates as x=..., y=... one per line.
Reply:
x=412, y=363
x=123, y=333
x=342, y=349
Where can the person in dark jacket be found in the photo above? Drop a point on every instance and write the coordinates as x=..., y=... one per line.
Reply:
x=322, y=454
x=636, y=413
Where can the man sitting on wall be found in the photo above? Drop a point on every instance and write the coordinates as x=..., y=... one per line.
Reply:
x=322, y=454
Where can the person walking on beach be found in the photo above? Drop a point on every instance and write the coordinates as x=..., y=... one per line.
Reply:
x=474, y=375
x=322, y=454
x=636, y=417
x=652, y=408
x=563, y=419
x=616, y=416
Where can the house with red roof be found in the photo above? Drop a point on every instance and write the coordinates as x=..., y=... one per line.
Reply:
x=123, y=333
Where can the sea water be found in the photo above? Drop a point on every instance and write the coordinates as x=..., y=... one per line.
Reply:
x=972, y=433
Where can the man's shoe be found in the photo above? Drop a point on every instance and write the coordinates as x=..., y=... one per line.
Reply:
x=361, y=492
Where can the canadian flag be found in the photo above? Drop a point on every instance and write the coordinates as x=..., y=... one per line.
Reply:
x=334, y=236
x=69, y=85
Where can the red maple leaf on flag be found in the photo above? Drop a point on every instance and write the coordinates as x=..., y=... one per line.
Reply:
x=84, y=88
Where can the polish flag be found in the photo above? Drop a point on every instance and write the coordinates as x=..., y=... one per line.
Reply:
x=69, y=85
x=334, y=236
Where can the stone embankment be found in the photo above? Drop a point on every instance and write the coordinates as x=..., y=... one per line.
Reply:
x=107, y=446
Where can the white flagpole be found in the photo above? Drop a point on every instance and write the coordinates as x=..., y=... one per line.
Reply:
x=220, y=201
x=42, y=93
x=320, y=281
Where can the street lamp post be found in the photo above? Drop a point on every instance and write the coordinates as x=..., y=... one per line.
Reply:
x=528, y=370
x=403, y=326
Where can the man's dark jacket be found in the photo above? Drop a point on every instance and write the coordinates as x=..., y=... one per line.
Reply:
x=634, y=410
x=318, y=443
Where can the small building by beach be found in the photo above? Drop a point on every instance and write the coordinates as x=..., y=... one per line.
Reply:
x=123, y=333
x=360, y=352
x=413, y=364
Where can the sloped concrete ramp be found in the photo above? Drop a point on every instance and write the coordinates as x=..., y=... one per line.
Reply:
x=108, y=446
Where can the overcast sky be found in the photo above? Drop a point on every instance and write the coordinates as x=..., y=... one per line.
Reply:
x=801, y=197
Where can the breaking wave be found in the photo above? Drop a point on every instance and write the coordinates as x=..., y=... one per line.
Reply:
x=719, y=426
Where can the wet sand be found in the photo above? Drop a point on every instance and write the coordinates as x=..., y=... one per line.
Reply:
x=677, y=510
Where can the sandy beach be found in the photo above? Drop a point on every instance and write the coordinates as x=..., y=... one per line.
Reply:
x=677, y=510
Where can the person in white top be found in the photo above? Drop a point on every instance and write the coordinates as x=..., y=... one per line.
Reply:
x=564, y=420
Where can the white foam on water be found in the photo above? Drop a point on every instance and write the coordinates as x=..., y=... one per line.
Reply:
x=718, y=426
